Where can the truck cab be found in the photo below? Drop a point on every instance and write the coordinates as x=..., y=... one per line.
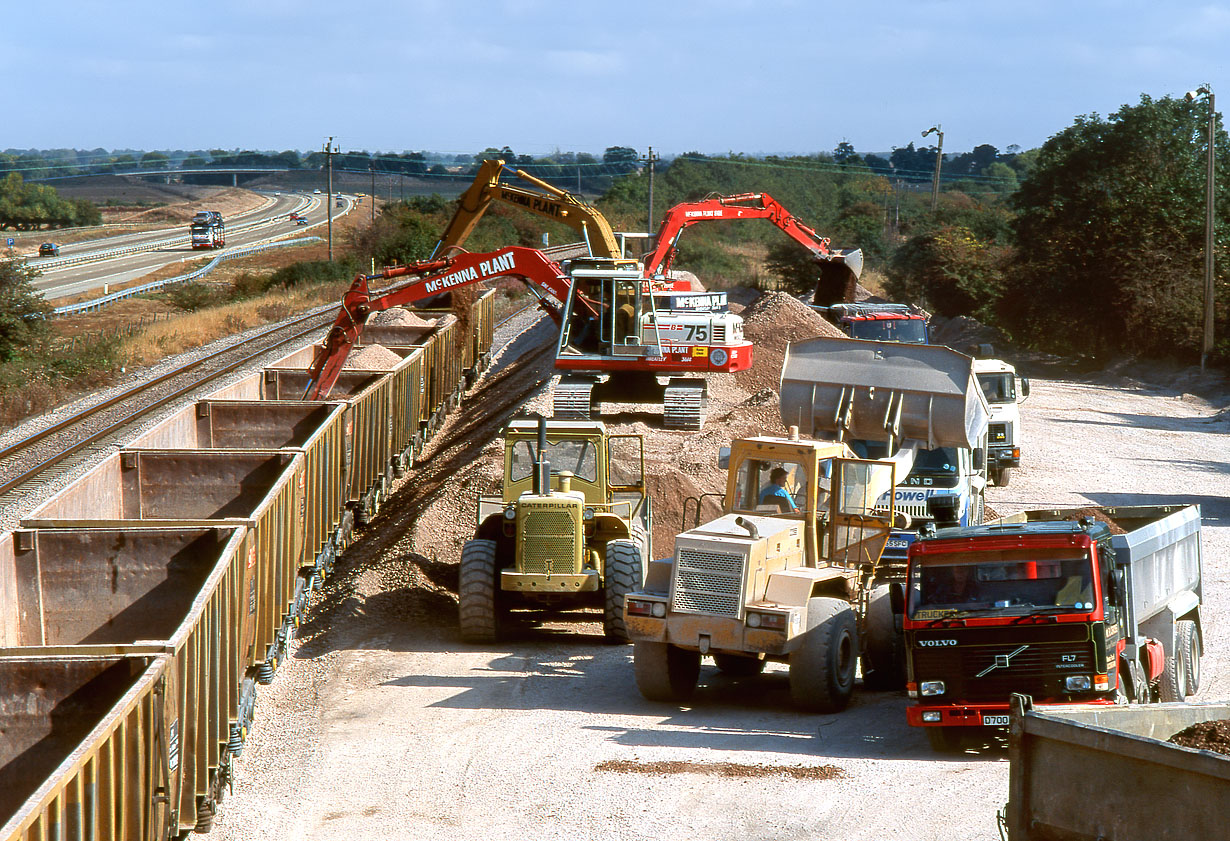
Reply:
x=881, y=322
x=1000, y=388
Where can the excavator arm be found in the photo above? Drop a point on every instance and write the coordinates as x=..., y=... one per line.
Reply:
x=839, y=269
x=434, y=277
x=556, y=204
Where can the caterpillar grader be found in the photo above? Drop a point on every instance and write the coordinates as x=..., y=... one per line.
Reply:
x=571, y=527
x=792, y=569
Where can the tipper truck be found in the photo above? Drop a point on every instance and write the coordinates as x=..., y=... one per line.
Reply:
x=1000, y=387
x=1112, y=773
x=1077, y=606
x=792, y=569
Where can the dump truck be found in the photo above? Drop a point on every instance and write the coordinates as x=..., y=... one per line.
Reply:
x=1111, y=773
x=880, y=322
x=999, y=383
x=791, y=571
x=1091, y=606
x=570, y=527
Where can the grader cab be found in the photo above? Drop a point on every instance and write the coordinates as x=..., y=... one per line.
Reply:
x=571, y=528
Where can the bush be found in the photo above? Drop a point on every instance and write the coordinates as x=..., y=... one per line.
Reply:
x=191, y=296
x=23, y=312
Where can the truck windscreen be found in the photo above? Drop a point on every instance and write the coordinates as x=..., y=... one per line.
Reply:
x=998, y=388
x=909, y=330
x=1010, y=581
x=579, y=457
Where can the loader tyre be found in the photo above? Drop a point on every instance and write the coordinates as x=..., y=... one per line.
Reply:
x=822, y=668
x=622, y=576
x=665, y=672
x=884, y=656
x=1173, y=682
x=737, y=665
x=1189, y=652
x=478, y=592
x=1002, y=477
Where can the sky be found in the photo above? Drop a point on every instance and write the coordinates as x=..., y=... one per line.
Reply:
x=720, y=76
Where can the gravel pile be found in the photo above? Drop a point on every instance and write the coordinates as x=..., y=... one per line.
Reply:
x=399, y=317
x=772, y=322
x=372, y=358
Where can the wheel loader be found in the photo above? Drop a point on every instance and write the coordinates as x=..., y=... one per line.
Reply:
x=570, y=528
x=792, y=569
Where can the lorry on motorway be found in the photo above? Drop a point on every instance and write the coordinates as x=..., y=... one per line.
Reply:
x=571, y=526
x=207, y=230
x=999, y=383
x=1112, y=773
x=1071, y=606
x=792, y=570
x=880, y=322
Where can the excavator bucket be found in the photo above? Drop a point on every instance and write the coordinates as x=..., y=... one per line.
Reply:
x=838, y=278
x=882, y=391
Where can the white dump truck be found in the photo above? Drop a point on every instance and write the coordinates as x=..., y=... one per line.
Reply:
x=1004, y=391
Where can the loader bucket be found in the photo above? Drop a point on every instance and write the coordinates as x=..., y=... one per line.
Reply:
x=838, y=278
x=856, y=389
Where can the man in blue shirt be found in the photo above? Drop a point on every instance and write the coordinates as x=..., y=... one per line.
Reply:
x=775, y=492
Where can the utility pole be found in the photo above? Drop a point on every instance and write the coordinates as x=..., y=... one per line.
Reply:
x=578, y=179
x=330, y=150
x=649, y=159
x=939, y=158
x=1206, y=344
x=372, y=167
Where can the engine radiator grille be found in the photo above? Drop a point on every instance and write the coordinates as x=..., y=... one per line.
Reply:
x=708, y=582
x=549, y=542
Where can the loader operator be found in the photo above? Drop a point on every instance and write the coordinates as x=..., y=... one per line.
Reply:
x=775, y=492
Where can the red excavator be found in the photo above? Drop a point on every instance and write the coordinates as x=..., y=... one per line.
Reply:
x=619, y=331
x=839, y=269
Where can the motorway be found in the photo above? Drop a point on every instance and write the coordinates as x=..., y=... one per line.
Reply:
x=270, y=220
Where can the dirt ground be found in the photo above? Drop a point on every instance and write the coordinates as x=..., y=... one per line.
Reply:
x=527, y=737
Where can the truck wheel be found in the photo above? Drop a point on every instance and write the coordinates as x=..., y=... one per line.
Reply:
x=1002, y=477
x=736, y=665
x=1173, y=681
x=946, y=739
x=884, y=657
x=1189, y=652
x=822, y=667
x=622, y=575
x=665, y=672
x=478, y=592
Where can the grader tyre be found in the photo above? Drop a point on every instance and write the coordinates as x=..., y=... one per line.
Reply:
x=822, y=668
x=623, y=575
x=478, y=590
x=884, y=659
x=665, y=672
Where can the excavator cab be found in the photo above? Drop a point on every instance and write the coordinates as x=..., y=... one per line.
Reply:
x=608, y=313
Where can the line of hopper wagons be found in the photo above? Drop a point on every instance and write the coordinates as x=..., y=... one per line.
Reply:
x=142, y=605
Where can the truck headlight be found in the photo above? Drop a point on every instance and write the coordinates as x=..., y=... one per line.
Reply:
x=588, y=515
x=1078, y=683
x=772, y=621
x=929, y=688
x=659, y=609
x=510, y=513
x=932, y=716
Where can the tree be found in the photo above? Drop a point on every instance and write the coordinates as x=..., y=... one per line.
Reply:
x=620, y=158
x=844, y=154
x=22, y=310
x=155, y=161
x=1109, y=232
x=949, y=271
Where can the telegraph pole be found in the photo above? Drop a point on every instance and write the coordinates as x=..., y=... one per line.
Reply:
x=330, y=150
x=649, y=159
x=372, y=167
x=939, y=159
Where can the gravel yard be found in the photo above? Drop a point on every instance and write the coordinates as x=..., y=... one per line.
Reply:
x=383, y=724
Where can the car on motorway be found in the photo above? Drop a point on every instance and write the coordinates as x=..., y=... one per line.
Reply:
x=302, y=220
x=317, y=192
x=340, y=203
x=49, y=249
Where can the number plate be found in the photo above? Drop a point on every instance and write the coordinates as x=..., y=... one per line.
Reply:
x=898, y=543
x=995, y=721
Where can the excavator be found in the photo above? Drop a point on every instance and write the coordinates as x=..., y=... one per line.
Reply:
x=839, y=269
x=552, y=203
x=614, y=342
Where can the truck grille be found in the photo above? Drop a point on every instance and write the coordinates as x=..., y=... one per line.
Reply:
x=718, y=333
x=708, y=582
x=548, y=542
x=993, y=672
x=997, y=433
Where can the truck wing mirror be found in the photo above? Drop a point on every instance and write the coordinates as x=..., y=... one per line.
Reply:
x=1115, y=585
x=1024, y=387
x=979, y=458
x=723, y=460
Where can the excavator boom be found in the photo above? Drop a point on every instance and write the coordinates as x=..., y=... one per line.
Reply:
x=840, y=269
x=552, y=203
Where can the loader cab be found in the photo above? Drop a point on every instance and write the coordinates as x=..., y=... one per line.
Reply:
x=609, y=312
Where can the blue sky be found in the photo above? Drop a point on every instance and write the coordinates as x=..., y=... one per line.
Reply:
x=753, y=76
